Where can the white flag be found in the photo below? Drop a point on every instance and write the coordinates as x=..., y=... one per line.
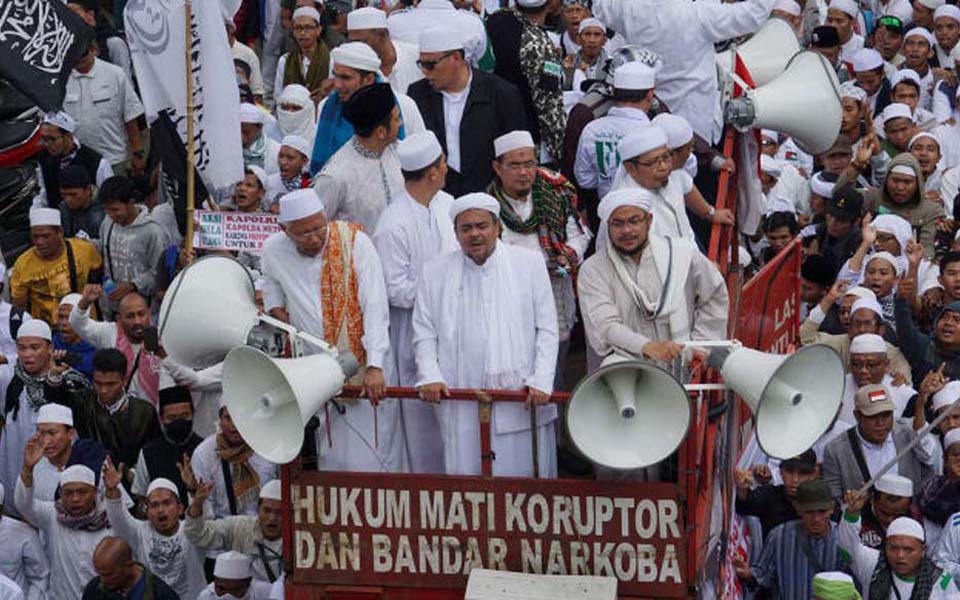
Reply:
x=155, y=32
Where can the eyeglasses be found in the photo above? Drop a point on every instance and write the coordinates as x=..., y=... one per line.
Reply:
x=429, y=65
x=517, y=166
x=663, y=159
x=320, y=232
x=303, y=28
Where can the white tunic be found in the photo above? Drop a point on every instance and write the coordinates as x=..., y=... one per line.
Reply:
x=206, y=466
x=407, y=235
x=597, y=156
x=471, y=324
x=669, y=212
x=407, y=25
x=22, y=558
x=405, y=70
x=15, y=434
x=849, y=49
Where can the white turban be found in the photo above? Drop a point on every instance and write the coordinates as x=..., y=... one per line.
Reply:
x=307, y=11
x=162, y=483
x=299, y=204
x=788, y=6
x=271, y=491
x=56, y=414
x=678, y=130
x=513, y=140
x=356, y=55
x=301, y=122
x=904, y=75
x=297, y=143
x=849, y=89
x=636, y=196
x=35, y=328
x=251, y=114
x=947, y=396
x=643, y=139
x=921, y=32
x=896, y=226
x=845, y=6
x=895, y=485
x=70, y=300
x=77, y=474
x=951, y=438
x=861, y=292
x=475, y=200
x=867, y=343
x=592, y=22
x=924, y=134
x=905, y=526
x=884, y=256
x=870, y=304
x=947, y=10
x=820, y=186
x=62, y=120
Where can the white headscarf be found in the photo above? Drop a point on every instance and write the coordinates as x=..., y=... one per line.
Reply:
x=302, y=122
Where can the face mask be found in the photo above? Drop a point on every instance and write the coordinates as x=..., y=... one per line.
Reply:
x=178, y=431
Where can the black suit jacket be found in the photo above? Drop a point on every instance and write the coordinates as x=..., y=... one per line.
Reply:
x=494, y=107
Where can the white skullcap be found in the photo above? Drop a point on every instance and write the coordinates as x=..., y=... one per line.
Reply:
x=161, y=483
x=70, y=299
x=861, y=292
x=867, y=343
x=946, y=396
x=56, y=414
x=788, y=6
x=307, y=11
x=845, y=6
x=62, y=120
x=895, y=485
x=638, y=197
x=367, y=17
x=770, y=133
x=883, y=256
x=440, y=39
x=677, y=128
x=78, y=474
x=920, y=31
x=512, y=141
x=251, y=114
x=904, y=170
x=634, y=76
x=474, y=200
x=904, y=75
x=35, y=328
x=923, y=134
x=232, y=565
x=643, y=139
x=905, y=526
x=870, y=304
x=297, y=143
x=820, y=186
x=951, y=438
x=299, y=204
x=849, y=89
x=418, y=151
x=932, y=4
x=295, y=93
x=259, y=173
x=41, y=217
x=896, y=110
x=776, y=202
x=896, y=226
x=271, y=491
x=356, y=55
x=531, y=3
x=947, y=10
x=867, y=59
x=592, y=22
x=770, y=165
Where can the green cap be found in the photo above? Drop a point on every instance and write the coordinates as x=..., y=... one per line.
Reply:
x=813, y=495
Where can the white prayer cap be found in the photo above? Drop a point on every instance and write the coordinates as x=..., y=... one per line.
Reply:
x=271, y=491
x=70, y=300
x=867, y=59
x=896, y=226
x=883, y=256
x=440, y=39
x=638, y=197
x=162, y=483
x=309, y=11
x=946, y=396
x=299, y=204
x=62, y=120
x=861, y=292
x=44, y=217
x=634, y=76
x=905, y=526
x=367, y=17
x=295, y=93
x=78, y=474
x=232, y=565
x=952, y=437
x=787, y=6
x=904, y=170
x=251, y=114
x=849, y=89
x=531, y=3
x=297, y=143
x=846, y=6
x=896, y=110
x=418, y=151
x=769, y=133
x=356, y=55
x=474, y=200
x=820, y=186
x=56, y=414
x=904, y=75
x=512, y=141
x=592, y=22
x=932, y=4
x=677, y=128
x=870, y=304
x=895, y=485
x=867, y=343
x=920, y=31
x=35, y=328
x=947, y=10
x=643, y=139
x=770, y=165
x=923, y=134
x=259, y=173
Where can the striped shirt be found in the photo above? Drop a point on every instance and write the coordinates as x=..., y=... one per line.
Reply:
x=784, y=568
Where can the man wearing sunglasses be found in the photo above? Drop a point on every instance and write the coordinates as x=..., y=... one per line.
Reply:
x=62, y=149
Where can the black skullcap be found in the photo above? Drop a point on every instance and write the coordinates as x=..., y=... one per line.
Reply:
x=825, y=36
x=368, y=107
x=177, y=394
x=819, y=270
x=75, y=176
x=846, y=204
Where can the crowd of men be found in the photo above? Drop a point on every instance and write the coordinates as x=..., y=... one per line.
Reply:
x=465, y=192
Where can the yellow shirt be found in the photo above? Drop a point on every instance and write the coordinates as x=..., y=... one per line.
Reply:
x=38, y=285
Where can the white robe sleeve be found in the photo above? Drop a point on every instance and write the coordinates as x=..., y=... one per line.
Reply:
x=604, y=326
x=410, y=112
x=273, y=295
x=98, y=334
x=426, y=337
x=548, y=338
x=712, y=303
x=398, y=272
x=123, y=524
x=585, y=166
x=373, y=301
x=203, y=380
x=41, y=513
x=36, y=569
x=333, y=192
x=578, y=237
x=863, y=559
x=947, y=553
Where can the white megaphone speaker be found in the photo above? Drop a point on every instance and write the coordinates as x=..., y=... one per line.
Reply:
x=803, y=102
x=271, y=399
x=766, y=54
x=208, y=310
x=794, y=398
x=628, y=414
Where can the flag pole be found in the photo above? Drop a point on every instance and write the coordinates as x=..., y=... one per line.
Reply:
x=188, y=42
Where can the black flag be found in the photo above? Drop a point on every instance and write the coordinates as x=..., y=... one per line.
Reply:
x=40, y=42
x=167, y=150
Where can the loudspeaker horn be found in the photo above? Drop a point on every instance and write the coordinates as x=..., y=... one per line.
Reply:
x=794, y=398
x=209, y=309
x=628, y=414
x=803, y=102
x=766, y=54
x=271, y=399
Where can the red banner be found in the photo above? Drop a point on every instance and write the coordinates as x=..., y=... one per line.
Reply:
x=769, y=316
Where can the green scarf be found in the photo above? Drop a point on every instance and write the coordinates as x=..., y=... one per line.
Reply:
x=318, y=70
x=882, y=580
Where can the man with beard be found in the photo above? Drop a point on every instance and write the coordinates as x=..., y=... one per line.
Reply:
x=73, y=525
x=119, y=576
x=160, y=541
x=292, y=159
x=158, y=459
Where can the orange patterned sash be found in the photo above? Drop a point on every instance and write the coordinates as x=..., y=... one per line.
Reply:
x=339, y=291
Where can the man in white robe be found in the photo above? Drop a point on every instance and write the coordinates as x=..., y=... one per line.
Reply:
x=232, y=579
x=413, y=229
x=324, y=277
x=21, y=556
x=364, y=175
x=398, y=59
x=485, y=318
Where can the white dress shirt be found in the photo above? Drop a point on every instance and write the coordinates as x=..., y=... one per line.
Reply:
x=454, y=103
